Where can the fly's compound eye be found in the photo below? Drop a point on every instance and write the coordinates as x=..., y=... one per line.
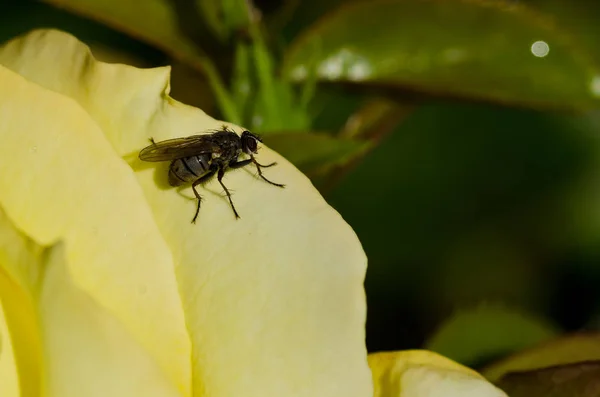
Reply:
x=251, y=144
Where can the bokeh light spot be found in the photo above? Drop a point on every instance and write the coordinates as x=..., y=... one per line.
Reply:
x=540, y=49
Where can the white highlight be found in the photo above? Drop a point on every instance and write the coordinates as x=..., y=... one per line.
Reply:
x=540, y=49
x=354, y=66
x=595, y=86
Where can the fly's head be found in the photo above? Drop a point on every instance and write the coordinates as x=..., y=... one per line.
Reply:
x=250, y=142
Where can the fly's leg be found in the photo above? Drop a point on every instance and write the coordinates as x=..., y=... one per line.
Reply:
x=152, y=140
x=243, y=163
x=198, y=197
x=264, y=166
x=258, y=168
x=220, y=177
x=239, y=164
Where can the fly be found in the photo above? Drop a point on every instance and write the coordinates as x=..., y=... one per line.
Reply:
x=197, y=158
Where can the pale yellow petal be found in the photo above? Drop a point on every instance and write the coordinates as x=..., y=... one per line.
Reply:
x=63, y=181
x=274, y=301
x=19, y=276
x=9, y=380
x=88, y=351
x=83, y=350
x=421, y=373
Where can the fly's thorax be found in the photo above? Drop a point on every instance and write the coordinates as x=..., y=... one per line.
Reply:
x=188, y=169
x=230, y=150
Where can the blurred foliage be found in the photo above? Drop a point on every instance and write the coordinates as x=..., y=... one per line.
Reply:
x=568, y=380
x=428, y=47
x=459, y=138
x=488, y=331
x=570, y=349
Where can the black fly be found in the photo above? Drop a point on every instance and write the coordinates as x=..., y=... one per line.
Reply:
x=197, y=158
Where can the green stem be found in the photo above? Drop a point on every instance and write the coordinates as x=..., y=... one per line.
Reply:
x=264, y=71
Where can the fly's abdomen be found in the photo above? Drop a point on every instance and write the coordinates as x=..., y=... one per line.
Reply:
x=188, y=169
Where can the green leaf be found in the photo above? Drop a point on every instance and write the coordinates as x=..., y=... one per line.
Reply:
x=566, y=350
x=159, y=25
x=573, y=380
x=469, y=49
x=315, y=152
x=472, y=335
x=173, y=25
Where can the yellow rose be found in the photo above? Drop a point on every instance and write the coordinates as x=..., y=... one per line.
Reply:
x=106, y=287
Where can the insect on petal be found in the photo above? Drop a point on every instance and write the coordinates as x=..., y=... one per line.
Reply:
x=274, y=302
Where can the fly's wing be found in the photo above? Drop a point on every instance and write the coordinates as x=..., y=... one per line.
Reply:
x=177, y=148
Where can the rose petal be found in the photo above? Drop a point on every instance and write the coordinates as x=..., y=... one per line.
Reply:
x=420, y=373
x=9, y=380
x=19, y=275
x=86, y=351
x=62, y=181
x=274, y=301
x=77, y=364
